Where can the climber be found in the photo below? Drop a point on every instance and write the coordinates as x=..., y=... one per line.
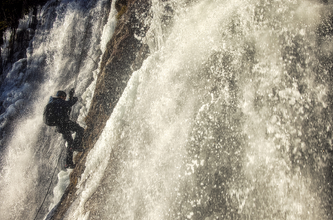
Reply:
x=57, y=113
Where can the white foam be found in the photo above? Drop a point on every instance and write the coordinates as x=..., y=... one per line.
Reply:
x=56, y=48
x=59, y=189
x=109, y=28
x=153, y=119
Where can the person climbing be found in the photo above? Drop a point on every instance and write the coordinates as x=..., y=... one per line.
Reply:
x=56, y=114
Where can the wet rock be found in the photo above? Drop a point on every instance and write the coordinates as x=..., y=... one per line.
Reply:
x=124, y=54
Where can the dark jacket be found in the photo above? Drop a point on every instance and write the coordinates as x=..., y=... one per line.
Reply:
x=62, y=108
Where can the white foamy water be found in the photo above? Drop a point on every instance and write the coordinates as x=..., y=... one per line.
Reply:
x=63, y=54
x=228, y=118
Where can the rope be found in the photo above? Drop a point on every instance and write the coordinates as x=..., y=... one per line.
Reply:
x=48, y=190
x=92, y=59
x=76, y=77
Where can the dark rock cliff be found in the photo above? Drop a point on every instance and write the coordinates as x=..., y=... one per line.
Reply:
x=124, y=54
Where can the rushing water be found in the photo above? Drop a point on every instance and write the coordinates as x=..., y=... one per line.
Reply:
x=228, y=118
x=64, y=53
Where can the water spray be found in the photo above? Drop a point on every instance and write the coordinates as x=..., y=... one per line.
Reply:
x=48, y=189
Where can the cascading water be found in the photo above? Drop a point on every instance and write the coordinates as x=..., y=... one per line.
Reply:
x=65, y=51
x=228, y=118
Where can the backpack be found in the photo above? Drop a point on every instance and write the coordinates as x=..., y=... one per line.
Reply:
x=49, y=115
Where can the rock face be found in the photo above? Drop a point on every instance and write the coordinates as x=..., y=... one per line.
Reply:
x=124, y=54
x=116, y=68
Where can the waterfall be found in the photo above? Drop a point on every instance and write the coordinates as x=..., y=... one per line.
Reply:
x=228, y=118
x=64, y=53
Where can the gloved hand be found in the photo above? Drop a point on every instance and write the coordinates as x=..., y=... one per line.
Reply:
x=71, y=93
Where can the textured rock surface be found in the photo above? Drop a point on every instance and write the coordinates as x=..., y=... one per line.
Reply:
x=124, y=54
